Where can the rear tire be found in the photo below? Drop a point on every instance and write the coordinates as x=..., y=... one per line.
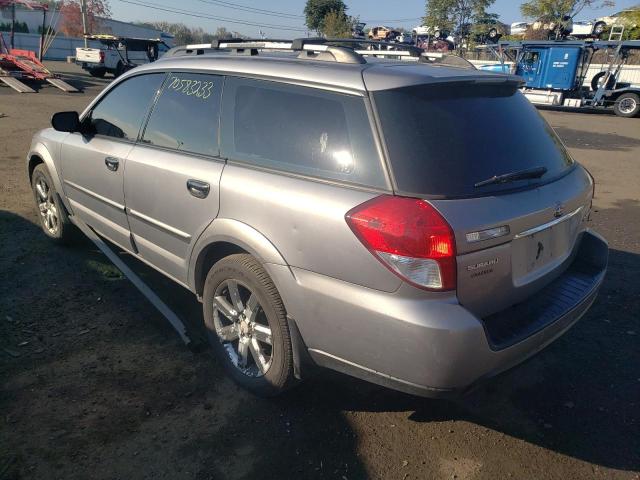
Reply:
x=247, y=325
x=119, y=70
x=98, y=72
x=53, y=217
x=627, y=105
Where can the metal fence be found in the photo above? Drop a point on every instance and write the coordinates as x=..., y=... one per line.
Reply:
x=60, y=49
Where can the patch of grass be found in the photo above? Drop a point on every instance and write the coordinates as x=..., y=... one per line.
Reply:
x=106, y=270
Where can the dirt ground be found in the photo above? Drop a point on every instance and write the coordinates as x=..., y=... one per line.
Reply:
x=95, y=384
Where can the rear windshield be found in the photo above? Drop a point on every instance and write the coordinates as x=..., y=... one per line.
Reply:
x=443, y=139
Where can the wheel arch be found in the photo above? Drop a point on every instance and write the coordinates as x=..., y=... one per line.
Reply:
x=39, y=154
x=34, y=160
x=225, y=237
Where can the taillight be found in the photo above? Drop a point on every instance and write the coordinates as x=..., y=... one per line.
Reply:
x=101, y=57
x=409, y=237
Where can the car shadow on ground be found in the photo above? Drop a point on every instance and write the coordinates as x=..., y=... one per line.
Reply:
x=160, y=406
x=84, y=81
x=596, y=141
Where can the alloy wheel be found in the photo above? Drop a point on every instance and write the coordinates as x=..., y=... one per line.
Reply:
x=47, y=206
x=242, y=327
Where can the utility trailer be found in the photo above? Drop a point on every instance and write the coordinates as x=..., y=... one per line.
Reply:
x=555, y=73
x=118, y=54
x=19, y=65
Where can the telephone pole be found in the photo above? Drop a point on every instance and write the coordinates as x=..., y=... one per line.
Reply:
x=83, y=10
x=13, y=24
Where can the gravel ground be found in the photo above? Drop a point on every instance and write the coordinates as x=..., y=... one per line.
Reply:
x=95, y=384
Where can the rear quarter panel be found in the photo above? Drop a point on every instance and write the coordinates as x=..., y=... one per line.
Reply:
x=304, y=220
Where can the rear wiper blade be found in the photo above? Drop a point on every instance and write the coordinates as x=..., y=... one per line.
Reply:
x=535, y=172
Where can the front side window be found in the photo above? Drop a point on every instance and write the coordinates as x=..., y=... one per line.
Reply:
x=186, y=114
x=121, y=112
x=300, y=130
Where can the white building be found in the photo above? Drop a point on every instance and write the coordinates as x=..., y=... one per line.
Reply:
x=63, y=47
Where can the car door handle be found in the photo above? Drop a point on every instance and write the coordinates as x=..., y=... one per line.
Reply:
x=197, y=188
x=112, y=163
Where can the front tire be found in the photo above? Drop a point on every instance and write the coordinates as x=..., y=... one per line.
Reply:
x=627, y=105
x=53, y=217
x=247, y=325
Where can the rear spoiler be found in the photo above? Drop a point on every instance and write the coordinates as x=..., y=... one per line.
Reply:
x=514, y=80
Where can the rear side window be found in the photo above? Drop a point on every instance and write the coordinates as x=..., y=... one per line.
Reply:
x=186, y=115
x=300, y=130
x=443, y=139
x=120, y=113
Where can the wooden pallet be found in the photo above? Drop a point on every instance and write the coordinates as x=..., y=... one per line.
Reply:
x=16, y=84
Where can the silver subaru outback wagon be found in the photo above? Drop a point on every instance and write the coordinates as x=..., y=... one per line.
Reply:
x=419, y=226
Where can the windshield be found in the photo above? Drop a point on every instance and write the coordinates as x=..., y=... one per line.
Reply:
x=444, y=139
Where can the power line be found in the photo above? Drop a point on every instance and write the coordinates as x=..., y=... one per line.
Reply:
x=191, y=13
x=245, y=8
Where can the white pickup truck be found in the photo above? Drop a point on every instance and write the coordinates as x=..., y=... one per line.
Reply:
x=118, y=54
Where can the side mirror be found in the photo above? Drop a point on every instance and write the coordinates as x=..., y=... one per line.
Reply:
x=66, y=121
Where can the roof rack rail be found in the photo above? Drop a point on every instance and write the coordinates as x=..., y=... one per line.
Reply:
x=312, y=48
x=342, y=50
x=376, y=47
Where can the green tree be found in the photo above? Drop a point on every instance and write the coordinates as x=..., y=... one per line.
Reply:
x=71, y=16
x=337, y=24
x=20, y=27
x=455, y=15
x=631, y=21
x=315, y=12
x=556, y=10
x=183, y=35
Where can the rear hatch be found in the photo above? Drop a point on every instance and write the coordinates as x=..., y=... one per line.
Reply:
x=456, y=145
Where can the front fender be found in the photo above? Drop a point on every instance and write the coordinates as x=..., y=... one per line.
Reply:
x=237, y=233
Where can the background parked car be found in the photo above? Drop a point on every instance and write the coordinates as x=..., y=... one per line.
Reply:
x=383, y=33
x=519, y=28
x=405, y=37
x=433, y=32
x=587, y=29
x=358, y=31
x=488, y=30
x=556, y=30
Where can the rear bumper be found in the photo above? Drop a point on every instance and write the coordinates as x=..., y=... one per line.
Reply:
x=433, y=346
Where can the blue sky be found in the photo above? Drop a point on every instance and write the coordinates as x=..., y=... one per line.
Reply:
x=400, y=14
